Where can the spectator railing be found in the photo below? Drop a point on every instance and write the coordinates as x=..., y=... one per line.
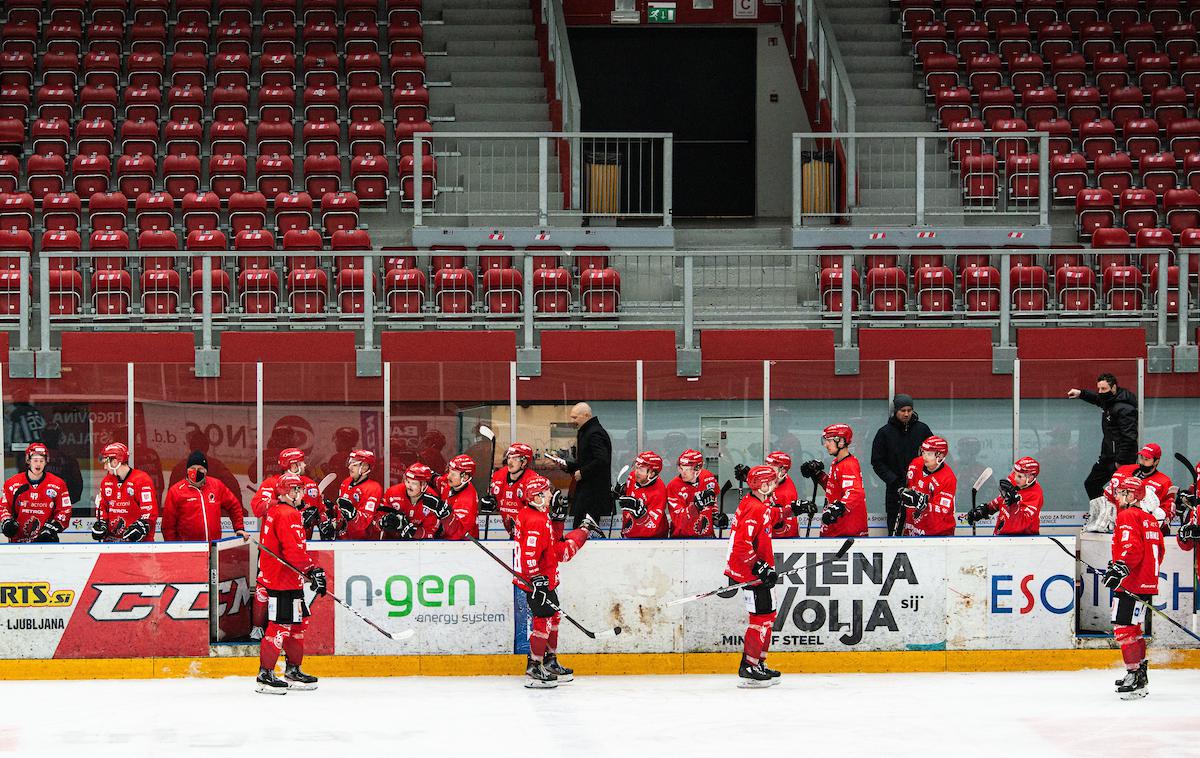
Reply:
x=558, y=49
x=915, y=178
x=517, y=177
x=820, y=45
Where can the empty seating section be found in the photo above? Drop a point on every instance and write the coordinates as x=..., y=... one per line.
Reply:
x=1114, y=82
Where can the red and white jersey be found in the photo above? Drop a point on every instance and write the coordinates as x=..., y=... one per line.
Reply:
x=1157, y=483
x=654, y=524
x=750, y=539
x=283, y=534
x=425, y=523
x=682, y=511
x=784, y=522
x=265, y=497
x=464, y=510
x=938, y=519
x=1187, y=544
x=34, y=504
x=123, y=501
x=1138, y=541
x=844, y=484
x=1023, y=518
x=510, y=494
x=366, y=496
x=538, y=551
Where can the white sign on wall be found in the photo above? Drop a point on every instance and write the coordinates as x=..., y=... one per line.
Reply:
x=745, y=8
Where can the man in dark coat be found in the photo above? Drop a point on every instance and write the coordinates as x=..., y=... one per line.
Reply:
x=591, y=468
x=1118, y=424
x=896, y=444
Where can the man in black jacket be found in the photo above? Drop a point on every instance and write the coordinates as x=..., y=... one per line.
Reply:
x=592, y=467
x=1118, y=424
x=896, y=444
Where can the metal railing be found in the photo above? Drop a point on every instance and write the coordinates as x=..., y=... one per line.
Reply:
x=558, y=47
x=517, y=176
x=820, y=45
x=915, y=178
x=680, y=290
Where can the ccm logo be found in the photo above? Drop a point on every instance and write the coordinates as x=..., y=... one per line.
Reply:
x=133, y=602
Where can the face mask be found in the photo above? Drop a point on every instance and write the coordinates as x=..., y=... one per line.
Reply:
x=1145, y=471
x=1108, y=395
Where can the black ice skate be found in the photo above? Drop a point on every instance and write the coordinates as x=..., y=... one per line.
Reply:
x=269, y=684
x=563, y=673
x=589, y=523
x=752, y=676
x=297, y=679
x=771, y=672
x=1121, y=681
x=1135, y=685
x=537, y=677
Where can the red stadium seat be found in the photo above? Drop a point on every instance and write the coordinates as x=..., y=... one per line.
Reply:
x=935, y=289
x=1094, y=208
x=1114, y=172
x=111, y=292
x=1068, y=175
x=260, y=290
x=307, y=288
x=160, y=291
x=1030, y=288
x=600, y=290
x=551, y=291
x=1139, y=208
x=404, y=291
x=65, y=297
x=502, y=290
x=1122, y=287
x=981, y=289
x=887, y=289
x=830, y=285
x=1076, y=288
x=1159, y=172
x=454, y=290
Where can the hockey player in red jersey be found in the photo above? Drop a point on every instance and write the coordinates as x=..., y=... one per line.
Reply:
x=752, y=557
x=692, y=498
x=408, y=510
x=1132, y=574
x=1160, y=492
x=538, y=556
x=644, y=502
x=457, y=492
x=845, y=512
x=283, y=535
x=358, y=499
x=788, y=506
x=127, y=506
x=1189, y=516
x=1018, y=508
x=35, y=505
x=929, y=492
x=506, y=491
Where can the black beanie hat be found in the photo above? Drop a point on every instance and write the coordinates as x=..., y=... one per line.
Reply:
x=901, y=400
x=197, y=458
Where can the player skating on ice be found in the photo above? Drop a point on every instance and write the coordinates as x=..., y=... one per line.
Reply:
x=751, y=557
x=929, y=492
x=538, y=556
x=127, y=505
x=1132, y=574
x=35, y=505
x=358, y=499
x=1018, y=507
x=692, y=498
x=506, y=491
x=287, y=613
x=459, y=517
x=643, y=502
x=845, y=512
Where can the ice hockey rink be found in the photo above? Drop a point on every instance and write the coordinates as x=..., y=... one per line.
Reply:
x=1012, y=714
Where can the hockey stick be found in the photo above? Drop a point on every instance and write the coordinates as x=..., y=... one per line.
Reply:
x=591, y=635
x=808, y=528
x=620, y=485
x=1149, y=606
x=728, y=485
x=983, y=477
x=391, y=636
x=845, y=548
x=1195, y=574
x=486, y=432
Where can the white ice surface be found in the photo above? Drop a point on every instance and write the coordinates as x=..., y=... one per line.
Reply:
x=882, y=715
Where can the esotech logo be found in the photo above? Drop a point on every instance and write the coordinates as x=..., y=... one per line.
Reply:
x=1025, y=594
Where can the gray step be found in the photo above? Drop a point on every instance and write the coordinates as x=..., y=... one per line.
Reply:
x=854, y=48
x=890, y=79
x=867, y=32
x=445, y=5
x=503, y=48
x=903, y=197
x=489, y=79
x=482, y=202
x=892, y=113
x=465, y=125
x=475, y=111
x=871, y=96
x=442, y=68
x=870, y=121
x=840, y=15
x=881, y=63
x=753, y=237
x=461, y=19
x=497, y=94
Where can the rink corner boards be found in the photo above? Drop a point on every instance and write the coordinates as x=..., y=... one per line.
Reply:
x=596, y=664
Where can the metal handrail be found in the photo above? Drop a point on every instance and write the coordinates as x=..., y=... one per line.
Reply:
x=566, y=88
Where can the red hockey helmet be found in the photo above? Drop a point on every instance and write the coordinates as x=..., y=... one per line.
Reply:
x=115, y=450
x=463, y=463
x=1133, y=484
x=780, y=459
x=760, y=475
x=346, y=436
x=536, y=486
x=519, y=449
x=362, y=456
x=691, y=458
x=36, y=448
x=650, y=460
x=1027, y=466
x=419, y=471
x=839, y=430
x=289, y=456
x=286, y=482
x=1151, y=450
x=936, y=445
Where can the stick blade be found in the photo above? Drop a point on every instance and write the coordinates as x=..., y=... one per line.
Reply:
x=682, y=600
x=404, y=635
x=609, y=632
x=983, y=477
x=486, y=432
x=325, y=482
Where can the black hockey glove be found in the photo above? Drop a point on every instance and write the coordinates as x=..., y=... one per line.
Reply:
x=706, y=498
x=394, y=521
x=631, y=505
x=977, y=514
x=1008, y=491
x=137, y=531
x=310, y=516
x=589, y=523
x=316, y=580
x=488, y=505
x=49, y=532
x=812, y=470
x=804, y=508
x=9, y=528
x=1189, y=532
x=618, y=491
x=99, y=530
x=346, y=509
x=740, y=472
x=328, y=530
x=435, y=505
x=765, y=573
x=913, y=500
x=539, y=590
x=720, y=520
x=1114, y=574
x=1185, y=503
x=559, y=506
x=833, y=512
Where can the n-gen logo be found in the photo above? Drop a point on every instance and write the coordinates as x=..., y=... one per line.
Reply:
x=33, y=595
x=430, y=591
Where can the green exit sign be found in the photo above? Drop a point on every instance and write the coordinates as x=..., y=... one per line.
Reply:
x=660, y=13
